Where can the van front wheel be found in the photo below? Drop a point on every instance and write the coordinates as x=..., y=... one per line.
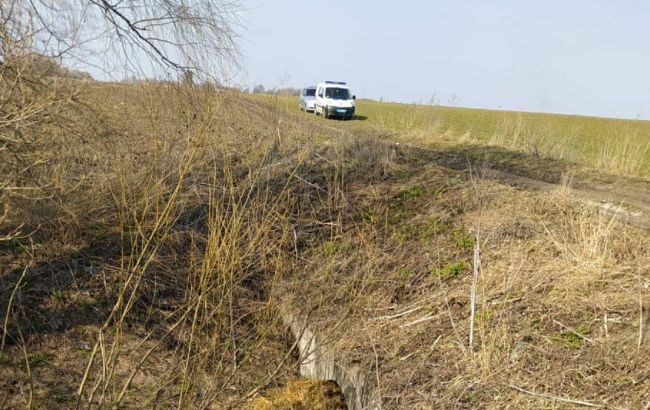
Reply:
x=326, y=112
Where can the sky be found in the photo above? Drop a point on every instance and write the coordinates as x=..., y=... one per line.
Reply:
x=589, y=57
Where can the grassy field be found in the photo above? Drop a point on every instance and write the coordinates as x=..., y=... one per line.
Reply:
x=166, y=227
x=610, y=145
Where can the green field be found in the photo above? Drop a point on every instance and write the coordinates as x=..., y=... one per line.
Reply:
x=610, y=145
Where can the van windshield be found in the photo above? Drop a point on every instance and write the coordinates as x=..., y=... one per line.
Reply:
x=337, y=93
x=309, y=92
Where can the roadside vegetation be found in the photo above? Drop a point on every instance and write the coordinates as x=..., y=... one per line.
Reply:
x=603, y=144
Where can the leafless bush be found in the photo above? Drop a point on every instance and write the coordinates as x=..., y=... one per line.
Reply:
x=39, y=37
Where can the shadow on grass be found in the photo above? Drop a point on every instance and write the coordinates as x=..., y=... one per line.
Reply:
x=66, y=291
x=57, y=295
x=482, y=157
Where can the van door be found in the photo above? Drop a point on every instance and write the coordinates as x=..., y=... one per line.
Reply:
x=319, y=100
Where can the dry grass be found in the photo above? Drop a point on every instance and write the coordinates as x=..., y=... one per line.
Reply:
x=557, y=306
x=158, y=256
x=303, y=395
x=183, y=217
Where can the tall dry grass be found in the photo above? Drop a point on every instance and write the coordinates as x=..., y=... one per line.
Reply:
x=611, y=145
x=184, y=206
x=624, y=154
x=235, y=250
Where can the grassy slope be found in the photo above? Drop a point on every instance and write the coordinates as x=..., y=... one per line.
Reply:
x=610, y=145
x=558, y=300
x=211, y=211
x=145, y=281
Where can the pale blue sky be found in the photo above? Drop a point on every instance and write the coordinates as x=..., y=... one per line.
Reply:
x=580, y=56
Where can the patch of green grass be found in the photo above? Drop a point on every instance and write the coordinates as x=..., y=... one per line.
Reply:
x=431, y=309
x=571, y=339
x=463, y=240
x=399, y=204
x=13, y=245
x=422, y=232
x=37, y=359
x=482, y=316
x=450, y=270
x=59, y=296
x=404, y=174
x=370, y=215
x=405, y=274
x=469, y=397
x=615, y=145
x=406, y=232
x=84, y=351
x=405, y=196
x=329, y=248
x=431, y=227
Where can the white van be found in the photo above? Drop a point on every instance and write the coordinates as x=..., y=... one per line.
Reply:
x=333, y=99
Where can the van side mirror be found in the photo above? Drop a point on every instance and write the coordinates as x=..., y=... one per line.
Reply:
x=354, y=97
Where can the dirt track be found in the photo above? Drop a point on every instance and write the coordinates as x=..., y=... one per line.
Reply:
x=626, y=198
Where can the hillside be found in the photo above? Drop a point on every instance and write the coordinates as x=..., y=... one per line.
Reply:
x=177, y=227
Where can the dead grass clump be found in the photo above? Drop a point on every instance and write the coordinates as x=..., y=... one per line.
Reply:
x=583, y=238
x=302, y=395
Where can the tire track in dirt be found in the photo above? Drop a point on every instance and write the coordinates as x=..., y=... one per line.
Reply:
x=625, y=199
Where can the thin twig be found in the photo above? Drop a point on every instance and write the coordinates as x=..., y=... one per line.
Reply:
x=395, y=316
x=29, y=370
x=415, y=322
x=374, y=349
x=556, y=398
x=477, y=270
x=451, y=317
x=11, y=299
